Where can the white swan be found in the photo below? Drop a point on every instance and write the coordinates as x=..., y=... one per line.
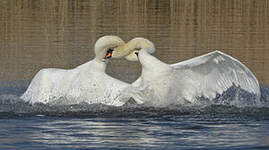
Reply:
x=202, y=76
x=85, y=83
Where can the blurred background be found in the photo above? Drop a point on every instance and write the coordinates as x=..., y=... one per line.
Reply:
x=37, y=34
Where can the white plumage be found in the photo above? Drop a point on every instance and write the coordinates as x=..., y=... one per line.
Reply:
x=203, y=76
x=85, y=83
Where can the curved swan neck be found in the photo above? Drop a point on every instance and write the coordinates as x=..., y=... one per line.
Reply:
x=99, y=54
x=140, y=43
x=94, y=64
x=99, y=65
x=104, y=43
x=151, y=64
x=130, y=46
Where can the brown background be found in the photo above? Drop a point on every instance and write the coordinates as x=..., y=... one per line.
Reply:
x=35, y=34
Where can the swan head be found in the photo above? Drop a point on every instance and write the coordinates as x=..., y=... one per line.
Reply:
x=105, y=47
x=131, y=49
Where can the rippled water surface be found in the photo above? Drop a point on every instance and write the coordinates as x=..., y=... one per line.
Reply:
x=208, y=131
x=38, y=34
x=25, y=126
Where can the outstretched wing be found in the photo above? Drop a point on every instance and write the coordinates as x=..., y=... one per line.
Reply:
x=215, y=72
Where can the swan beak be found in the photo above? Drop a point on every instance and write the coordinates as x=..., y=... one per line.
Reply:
x=108, y=54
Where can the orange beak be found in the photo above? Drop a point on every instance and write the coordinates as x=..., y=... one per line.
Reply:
x=108, y=55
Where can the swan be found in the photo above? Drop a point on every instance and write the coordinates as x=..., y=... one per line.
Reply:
x=203, y=76
x=85, y=83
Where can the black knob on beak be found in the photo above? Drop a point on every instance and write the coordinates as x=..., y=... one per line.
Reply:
x=136, y=53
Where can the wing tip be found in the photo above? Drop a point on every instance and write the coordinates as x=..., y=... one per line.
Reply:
x=256, y=89
x=219, y=52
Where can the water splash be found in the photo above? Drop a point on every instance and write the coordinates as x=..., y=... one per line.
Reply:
x=12, y=106
x=234, y=96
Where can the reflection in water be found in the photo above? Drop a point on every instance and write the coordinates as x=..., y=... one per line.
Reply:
x=265, y=141
x=117, y=132
x=169, y=132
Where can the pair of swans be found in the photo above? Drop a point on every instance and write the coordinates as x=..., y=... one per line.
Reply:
x=161, y=83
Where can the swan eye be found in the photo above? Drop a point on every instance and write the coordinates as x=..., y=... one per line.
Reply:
x=109, y=53
x=110, y=50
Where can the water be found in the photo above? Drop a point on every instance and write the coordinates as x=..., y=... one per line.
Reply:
x=210, y=131
x=37, y=34
x=84, y=126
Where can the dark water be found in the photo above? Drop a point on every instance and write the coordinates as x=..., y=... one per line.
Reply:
x=37, y=34
x=209, y=131
x=83, y=126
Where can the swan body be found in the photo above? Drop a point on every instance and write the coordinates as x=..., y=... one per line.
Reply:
x=85, y=83
x=203, y=76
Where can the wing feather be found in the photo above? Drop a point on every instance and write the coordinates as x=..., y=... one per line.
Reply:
x=215, y=72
